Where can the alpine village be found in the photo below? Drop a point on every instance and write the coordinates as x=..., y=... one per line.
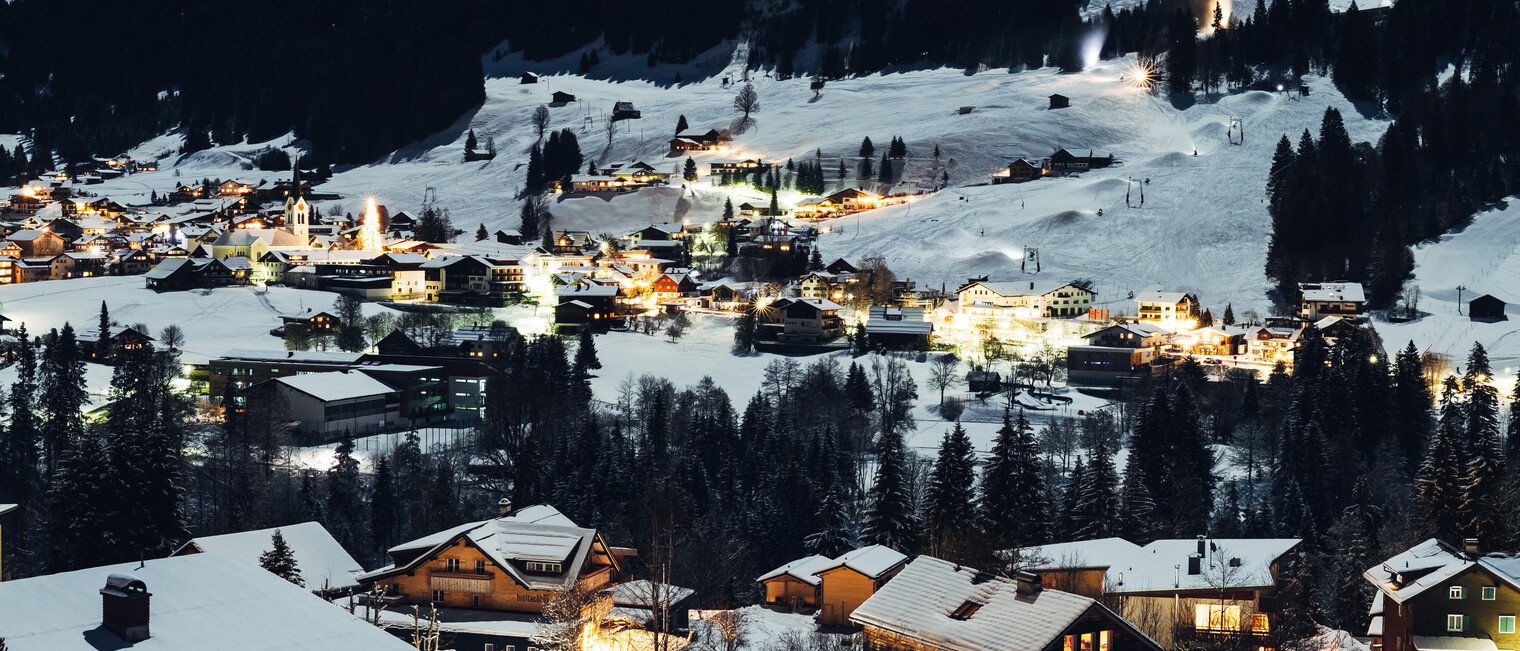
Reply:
x=810, y=325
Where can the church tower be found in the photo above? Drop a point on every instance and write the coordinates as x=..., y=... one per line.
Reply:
x=297, y=211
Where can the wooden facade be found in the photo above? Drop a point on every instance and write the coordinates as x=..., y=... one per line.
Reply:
x=842, y=589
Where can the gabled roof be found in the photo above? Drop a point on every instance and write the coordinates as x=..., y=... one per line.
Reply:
x=1138, y=329
x=1152, y=567
x=1432, y=563
x=1100, y=553
x=919, y=602
x=536, y=533
x=804, y=569
x=323, y=562
x=873, y=561
x=200, y=601
x=1022, y=288
x=1158, y=296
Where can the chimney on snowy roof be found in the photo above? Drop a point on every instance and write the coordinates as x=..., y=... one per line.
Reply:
x=124, y=607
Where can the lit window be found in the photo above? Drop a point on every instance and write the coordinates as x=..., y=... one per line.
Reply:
x=1454, y=623
x=1087, y=642
x=1506, y=623
x=1490, y=593
x=1067, y=645
x=1216, y=617
x=1259, y=624
x=1103, y=640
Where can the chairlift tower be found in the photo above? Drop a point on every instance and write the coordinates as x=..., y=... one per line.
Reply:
x=1031, y=255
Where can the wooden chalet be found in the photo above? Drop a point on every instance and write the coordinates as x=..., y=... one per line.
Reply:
x=32, y=243
x=1486, y=308
x=796, y=584
x=746, y=166
x=561, y=97
x=517, y=562
x=1064, y=161
x=119, y=340
x=852, y=579
x=528, y=78
x=936, y=605
x=689, y=141
x=1059, y=101
x=625, y=111
x=1019, y=171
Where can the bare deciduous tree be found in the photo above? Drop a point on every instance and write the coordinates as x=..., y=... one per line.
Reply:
x=747, y=101
x=540, y=120
x=943, y=374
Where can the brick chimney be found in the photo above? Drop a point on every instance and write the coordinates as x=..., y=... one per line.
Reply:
x=124, y=607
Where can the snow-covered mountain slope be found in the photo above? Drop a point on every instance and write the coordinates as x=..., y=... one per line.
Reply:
x=1204, y=225
x=1483, y=258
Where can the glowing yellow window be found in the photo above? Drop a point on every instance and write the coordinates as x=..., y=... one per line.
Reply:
x=1259, y=624
x=1216, y=617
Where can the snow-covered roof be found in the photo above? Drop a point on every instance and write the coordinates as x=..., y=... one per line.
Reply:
x=295, y=356
x=1351, y=292
x=873, y=561
x=586, y=290
x=323, y=563
x=336, y=385
x=166, y=268
x=804, y=569
x=198, y=602
x=1432, y=563
x=7, y=508
x=1138, y=328
x=919, y=602
x=1452, y=643
x=1157, y=296
x=1100, y=553
x=909, y=320
x=1022, y=288
x=1152, y=568
x=645, y=593
x=536, y=533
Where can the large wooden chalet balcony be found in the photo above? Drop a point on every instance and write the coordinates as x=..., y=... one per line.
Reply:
x=465, y=582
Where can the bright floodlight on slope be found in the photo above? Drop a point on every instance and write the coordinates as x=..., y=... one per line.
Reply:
x=1143, y=75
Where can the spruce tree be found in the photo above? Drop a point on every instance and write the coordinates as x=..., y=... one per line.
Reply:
x=681, y=125
x=690, y=171
x=79, y=507
x=1136, y=522
x=63, y=396
x=280, y=560
x=585, y=352
x=470, y=143
x=1067, y=520
x=1357, y=547
x=344, y=497
x=744, y=330
x=889, y=519
x=949, y=497
x=383, y=508
x=885, y=172
x=1229, y=314
x=833, y=535
x=1097, y=509
x=728, y=209
x=867, y=150
x=103, y=334
x=1411, y=406
x=1439, y=490
x=1482, y=398
x=20, y=450
x=1013, y=504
